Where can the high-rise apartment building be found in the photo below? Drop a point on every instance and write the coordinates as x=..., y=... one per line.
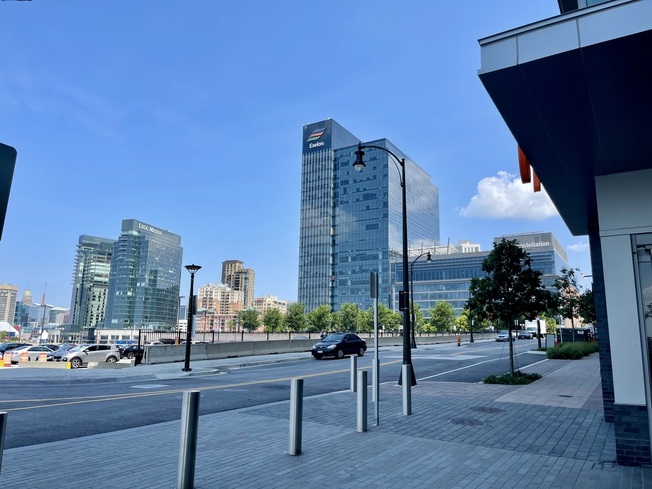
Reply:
x=218, y=306
x=8, y=297
x=264, y=304
x=90, y=282
x=239, y=278
x=229, y=267
x=351, y=222
x=144, y=278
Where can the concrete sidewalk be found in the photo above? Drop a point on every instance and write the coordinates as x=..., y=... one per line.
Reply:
x=549, y=434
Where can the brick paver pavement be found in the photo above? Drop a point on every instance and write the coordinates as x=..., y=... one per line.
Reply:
x=459, y=436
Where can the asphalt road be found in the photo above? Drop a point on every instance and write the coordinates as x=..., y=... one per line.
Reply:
x=41, y=412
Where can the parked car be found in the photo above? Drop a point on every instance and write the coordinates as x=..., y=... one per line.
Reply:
x=33, y=352
x=524, y=335
x=339, y=344
x=80, y=355
x=132, y=350
x=10, y=346
x=57, y=354
x=502, y=335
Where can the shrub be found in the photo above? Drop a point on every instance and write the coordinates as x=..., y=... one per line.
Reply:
x=571, y=351
x=519, y=378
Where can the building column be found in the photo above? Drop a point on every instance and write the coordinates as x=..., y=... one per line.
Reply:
x=602, y=325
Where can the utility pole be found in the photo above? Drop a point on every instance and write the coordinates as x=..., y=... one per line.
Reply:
x=44, y=309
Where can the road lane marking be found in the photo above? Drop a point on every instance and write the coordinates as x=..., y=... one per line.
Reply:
x=57, y=402
x=473, y=365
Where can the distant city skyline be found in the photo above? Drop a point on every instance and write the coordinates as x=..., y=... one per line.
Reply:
x=158, y=115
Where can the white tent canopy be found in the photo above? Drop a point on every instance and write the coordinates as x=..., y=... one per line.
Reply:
x=5, y=326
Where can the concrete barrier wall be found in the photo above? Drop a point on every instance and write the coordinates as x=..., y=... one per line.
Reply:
x=213, y=351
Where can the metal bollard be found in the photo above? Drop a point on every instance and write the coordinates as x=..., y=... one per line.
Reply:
x=375, y=389
x=296, y=416
x=354, y=369
x=407, y=393
x=362, y=401
x=188, y=446
x=3, y=429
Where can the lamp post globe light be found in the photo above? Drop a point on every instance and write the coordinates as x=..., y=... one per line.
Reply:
x=191, y=305
x=414, y=322
x=404, y=296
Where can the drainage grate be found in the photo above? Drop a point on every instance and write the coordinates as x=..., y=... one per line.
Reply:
x=467, y=421
x=487, y=409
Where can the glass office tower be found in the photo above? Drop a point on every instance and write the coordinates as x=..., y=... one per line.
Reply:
x=90, y=282
x=144, y=280
x=351, y=222
x=448, y=276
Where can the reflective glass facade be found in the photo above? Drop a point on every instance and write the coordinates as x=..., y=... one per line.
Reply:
x=144, y=279
x=351, y=222
x=90, y=282
x=447, y=277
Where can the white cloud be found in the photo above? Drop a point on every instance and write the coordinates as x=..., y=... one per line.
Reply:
x=579, y=247
x=505, y=197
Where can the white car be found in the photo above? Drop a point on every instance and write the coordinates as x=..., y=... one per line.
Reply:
x=33, y=352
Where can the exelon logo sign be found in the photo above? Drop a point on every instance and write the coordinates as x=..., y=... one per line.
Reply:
x=315, y=136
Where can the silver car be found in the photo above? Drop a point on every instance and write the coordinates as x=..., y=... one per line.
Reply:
x=79, y=356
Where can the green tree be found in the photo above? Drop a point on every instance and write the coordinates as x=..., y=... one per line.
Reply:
x=463, y=321
x=587, y=306
x=249, y=319
x=419, y=320
x=319, y=319
x=348, y=317
x=509, y=290
x=273, y=321
x=442, y=318
x=366, y=320
x=551, y=323
x=388, y=320
x=295, y=319
x=567, y=297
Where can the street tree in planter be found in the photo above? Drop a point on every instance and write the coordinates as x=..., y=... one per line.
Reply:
x=568, y=296
x=509, y=290
x=587, y=306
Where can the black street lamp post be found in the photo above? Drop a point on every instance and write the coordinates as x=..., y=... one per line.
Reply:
x=414, y=321
x=404, y=295
x=191, y=306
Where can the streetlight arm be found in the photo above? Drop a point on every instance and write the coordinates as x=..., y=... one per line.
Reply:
x=400, y=161
x=359, y=165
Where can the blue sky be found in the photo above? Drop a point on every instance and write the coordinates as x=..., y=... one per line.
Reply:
x=187, y=115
